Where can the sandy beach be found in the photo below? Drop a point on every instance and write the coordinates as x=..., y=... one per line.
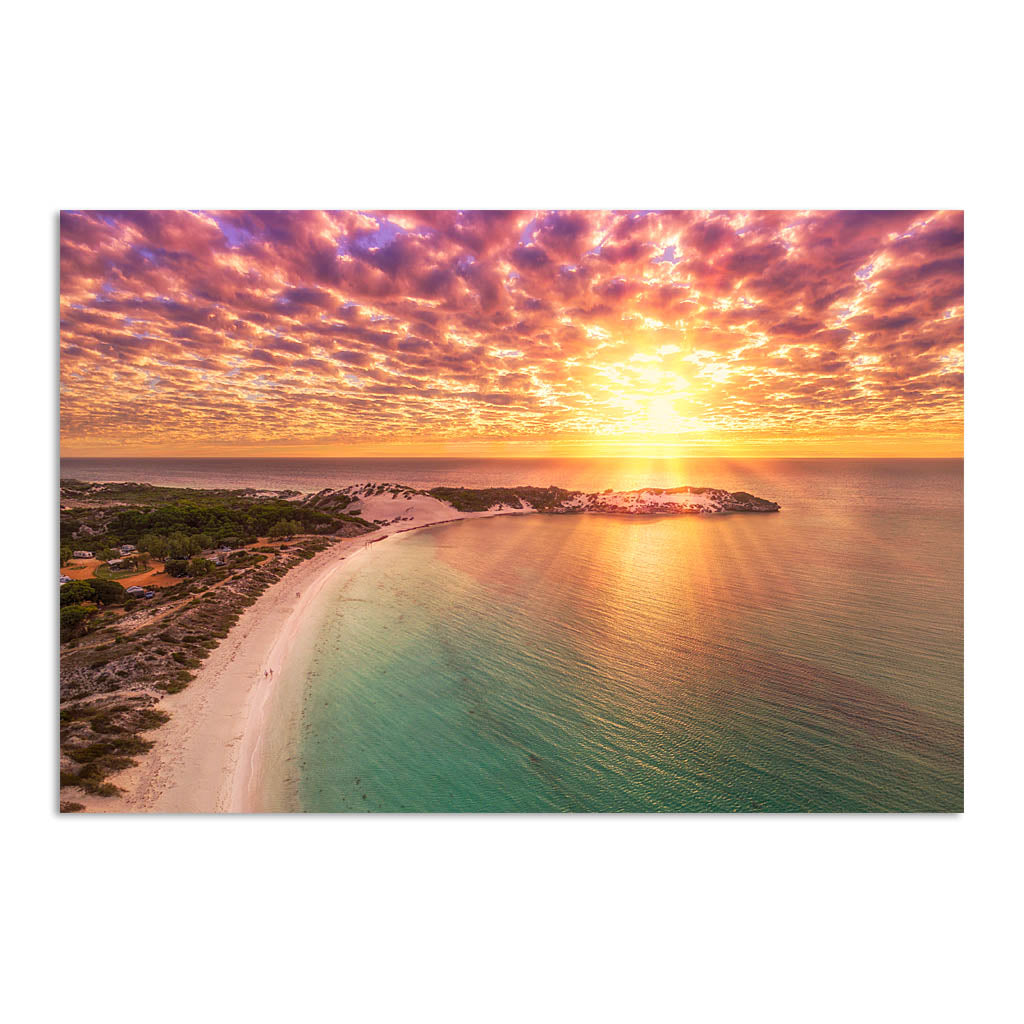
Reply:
x=209, y=756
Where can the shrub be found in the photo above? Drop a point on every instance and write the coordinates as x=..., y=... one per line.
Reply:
x=107, y=591
x=100, y=591
x=75, y=592
x=72, y=617
x=285, y=528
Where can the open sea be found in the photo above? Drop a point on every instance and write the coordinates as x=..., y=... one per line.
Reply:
x=810, y=660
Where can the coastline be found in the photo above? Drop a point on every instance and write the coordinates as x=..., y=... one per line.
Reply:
x=211, y=756
x=256, y=730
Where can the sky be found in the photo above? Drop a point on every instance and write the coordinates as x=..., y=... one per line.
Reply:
x=505, y=333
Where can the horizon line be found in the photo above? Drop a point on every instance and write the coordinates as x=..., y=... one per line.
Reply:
x=521, y=458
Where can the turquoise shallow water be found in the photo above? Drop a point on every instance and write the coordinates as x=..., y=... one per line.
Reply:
x=805, y=661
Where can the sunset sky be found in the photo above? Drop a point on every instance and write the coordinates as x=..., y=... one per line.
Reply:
x=512, y=333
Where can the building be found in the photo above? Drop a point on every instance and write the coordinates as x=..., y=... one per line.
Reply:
x=135, y=591
x=127, y=549
x=81, y=554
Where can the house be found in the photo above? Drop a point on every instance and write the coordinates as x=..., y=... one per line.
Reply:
x=65, y=579
x=135, y=591
x=127, y=549
x=81, y=554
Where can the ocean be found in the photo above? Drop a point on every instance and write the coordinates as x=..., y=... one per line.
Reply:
x=810, y=660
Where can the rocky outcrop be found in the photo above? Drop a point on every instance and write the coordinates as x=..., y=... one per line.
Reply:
x=655, y=501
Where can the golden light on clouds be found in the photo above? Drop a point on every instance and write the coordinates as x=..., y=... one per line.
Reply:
x=512, y=333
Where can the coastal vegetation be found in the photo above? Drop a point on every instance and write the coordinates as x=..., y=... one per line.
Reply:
x=113, y=674
x=122, y=650
x=180, y=522
x=543, y=499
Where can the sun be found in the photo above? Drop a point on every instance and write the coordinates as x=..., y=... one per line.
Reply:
x=662, y=415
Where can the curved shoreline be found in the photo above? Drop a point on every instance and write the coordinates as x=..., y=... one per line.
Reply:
x=250, y=769
x=210, y=756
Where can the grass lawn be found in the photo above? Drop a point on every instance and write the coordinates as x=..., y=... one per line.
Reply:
x=104, y=572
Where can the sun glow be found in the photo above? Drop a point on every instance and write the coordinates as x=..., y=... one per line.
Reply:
x=662, y=416
x=516, y=333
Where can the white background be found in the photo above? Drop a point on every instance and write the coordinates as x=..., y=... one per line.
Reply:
x=900, y=918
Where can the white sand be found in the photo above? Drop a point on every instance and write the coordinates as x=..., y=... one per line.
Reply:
x=417, y=509
x=208, y=757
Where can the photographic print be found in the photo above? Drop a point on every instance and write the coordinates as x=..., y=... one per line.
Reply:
x=511, y=511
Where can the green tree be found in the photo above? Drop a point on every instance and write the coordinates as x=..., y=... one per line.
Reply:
x=75, y=591
x=71, y=618
x=65, y=556
x=285, y=528
x=105, y=591
x=154, y=544
x=200, y=567
x=179, y=545
x=100, y=591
